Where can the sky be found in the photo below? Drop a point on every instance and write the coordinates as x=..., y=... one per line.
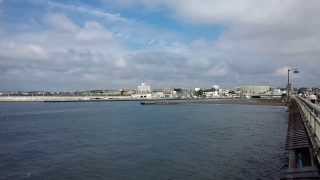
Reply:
x=113, y=44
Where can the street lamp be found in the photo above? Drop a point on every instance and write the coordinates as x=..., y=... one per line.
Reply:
x=289, y=87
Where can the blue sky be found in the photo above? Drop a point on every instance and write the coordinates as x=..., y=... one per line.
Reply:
x=19, y=13
x=99, y=44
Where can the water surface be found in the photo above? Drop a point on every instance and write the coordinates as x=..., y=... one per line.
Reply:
x=127, y=141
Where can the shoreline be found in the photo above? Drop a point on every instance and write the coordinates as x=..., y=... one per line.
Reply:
x=60, y=98
x=266, y=102
x=65, y=99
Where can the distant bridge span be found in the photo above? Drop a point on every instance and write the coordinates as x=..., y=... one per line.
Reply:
x=303, y=140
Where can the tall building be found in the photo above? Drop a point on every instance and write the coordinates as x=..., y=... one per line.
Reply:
x=143, y=92
x=144, y=89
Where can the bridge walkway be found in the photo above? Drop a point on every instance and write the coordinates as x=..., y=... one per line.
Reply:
x=302, y=161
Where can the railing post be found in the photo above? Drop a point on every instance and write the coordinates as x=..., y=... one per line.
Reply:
x=292, y=159
x=314, y=126
x=310, y=115
x=311, y=155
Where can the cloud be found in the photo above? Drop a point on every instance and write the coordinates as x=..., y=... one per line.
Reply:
x=90, y=11
x=65, y=51
x=121, y=63
x=218, y=71
x=283, y=71
x=23, y=51
x=232, y=11
x=93, y=31
x=260, y=38
x=260, y=41
x=61, y=23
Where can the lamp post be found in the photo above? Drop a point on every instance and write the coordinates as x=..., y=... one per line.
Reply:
x=289, y=87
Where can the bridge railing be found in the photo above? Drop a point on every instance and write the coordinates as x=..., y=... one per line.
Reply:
x=311, y=116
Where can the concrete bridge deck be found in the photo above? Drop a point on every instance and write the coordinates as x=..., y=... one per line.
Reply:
x=302, y=140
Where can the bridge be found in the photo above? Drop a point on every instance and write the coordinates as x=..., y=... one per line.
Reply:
x=303, y=140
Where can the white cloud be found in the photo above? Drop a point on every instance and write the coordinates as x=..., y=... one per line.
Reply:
x=121, y=63
x=219, y=70
x=261, y=40
x=15, y=51
x=93, y=31
x=283, y=71
x=232, y=11
x=62, y=23
x=90, y=11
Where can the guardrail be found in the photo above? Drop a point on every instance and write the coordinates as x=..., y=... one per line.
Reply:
x=311, y=117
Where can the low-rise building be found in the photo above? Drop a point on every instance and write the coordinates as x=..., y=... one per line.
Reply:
x=158, y=95
x=211, y=94
x=250, y=91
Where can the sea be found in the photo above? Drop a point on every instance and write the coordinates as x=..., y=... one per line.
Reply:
x=129, y=141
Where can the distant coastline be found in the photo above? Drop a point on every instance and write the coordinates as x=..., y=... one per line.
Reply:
x=62, y=98
x=168, y=101
x=240, y=101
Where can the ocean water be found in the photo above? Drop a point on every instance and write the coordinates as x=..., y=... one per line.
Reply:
x=127, y=141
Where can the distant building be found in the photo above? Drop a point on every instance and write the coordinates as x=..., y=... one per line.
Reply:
x=126, y=92
x=278, y=92
x=143, y=92
x=143, y=89
x=225, y=92
x=211, y=94
x=182, y=93
x=158, y=95
x=170, y=93
x=250, y=91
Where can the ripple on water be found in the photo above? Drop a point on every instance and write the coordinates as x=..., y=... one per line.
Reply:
x=127, y=141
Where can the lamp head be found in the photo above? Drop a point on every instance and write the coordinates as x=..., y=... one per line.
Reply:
x=296, y=71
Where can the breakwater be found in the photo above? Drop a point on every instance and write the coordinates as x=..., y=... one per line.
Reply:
x=270, y=102
x=61, y=98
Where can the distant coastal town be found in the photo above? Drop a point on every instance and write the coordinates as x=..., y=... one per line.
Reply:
x=144, y=92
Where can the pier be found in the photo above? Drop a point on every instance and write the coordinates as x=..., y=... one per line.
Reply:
x=303, y=140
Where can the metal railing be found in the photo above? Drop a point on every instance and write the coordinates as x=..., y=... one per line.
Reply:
x=311, y=117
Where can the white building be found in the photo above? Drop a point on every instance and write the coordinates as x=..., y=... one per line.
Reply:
x=170, y=93
x=158, y=95
x=143, y=92
x=212, y=94
x=277, y=92
x=248, y=91
x=144, y=89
